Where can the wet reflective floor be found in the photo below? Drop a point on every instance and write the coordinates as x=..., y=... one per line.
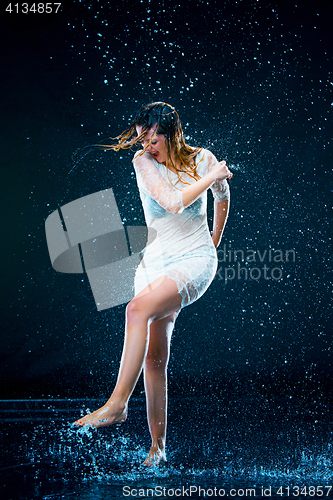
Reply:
x=227, y=447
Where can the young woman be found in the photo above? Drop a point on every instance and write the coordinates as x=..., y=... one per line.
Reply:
x=177, y=267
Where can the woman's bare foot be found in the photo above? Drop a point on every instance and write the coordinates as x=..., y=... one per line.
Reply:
x=111, y=413
x=156, y=454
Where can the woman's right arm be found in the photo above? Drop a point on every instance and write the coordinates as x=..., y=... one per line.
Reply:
x=219, y=172
x=168, y=197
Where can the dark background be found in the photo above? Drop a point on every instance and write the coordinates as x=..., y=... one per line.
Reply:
x=252, y=81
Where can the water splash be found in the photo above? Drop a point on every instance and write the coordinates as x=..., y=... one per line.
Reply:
x=220, y=449
x=237, y=168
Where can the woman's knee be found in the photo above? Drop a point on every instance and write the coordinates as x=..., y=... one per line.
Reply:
x=136, y=308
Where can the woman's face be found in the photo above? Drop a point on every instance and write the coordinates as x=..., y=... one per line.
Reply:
x=157, y=147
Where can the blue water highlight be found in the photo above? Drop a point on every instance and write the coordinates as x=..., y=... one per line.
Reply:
x=211, y=448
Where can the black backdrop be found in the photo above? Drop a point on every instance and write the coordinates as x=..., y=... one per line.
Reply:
x=252, y=81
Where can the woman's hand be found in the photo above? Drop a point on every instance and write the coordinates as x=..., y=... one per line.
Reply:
x=220, y=171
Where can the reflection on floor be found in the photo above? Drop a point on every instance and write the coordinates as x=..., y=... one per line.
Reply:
x=241, y=447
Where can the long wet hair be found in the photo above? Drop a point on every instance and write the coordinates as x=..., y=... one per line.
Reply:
x=165, y=120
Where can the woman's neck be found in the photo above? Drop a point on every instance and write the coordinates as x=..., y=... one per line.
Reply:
x=172, y=164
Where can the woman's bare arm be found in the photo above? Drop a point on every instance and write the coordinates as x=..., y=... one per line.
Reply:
x=221, y=211
x=161, y=191
x=220, y=171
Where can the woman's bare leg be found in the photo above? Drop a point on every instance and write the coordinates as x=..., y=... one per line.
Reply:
x=155, y=378
x=155, y=302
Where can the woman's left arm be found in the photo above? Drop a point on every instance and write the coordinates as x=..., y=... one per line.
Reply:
x=221, y=210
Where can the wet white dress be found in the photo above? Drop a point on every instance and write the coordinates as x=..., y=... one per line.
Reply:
x=183, y=249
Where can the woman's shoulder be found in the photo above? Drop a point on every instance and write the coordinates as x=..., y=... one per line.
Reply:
x=205, y=157
x=207, y=153
x=137, y=154
x=142, y=155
